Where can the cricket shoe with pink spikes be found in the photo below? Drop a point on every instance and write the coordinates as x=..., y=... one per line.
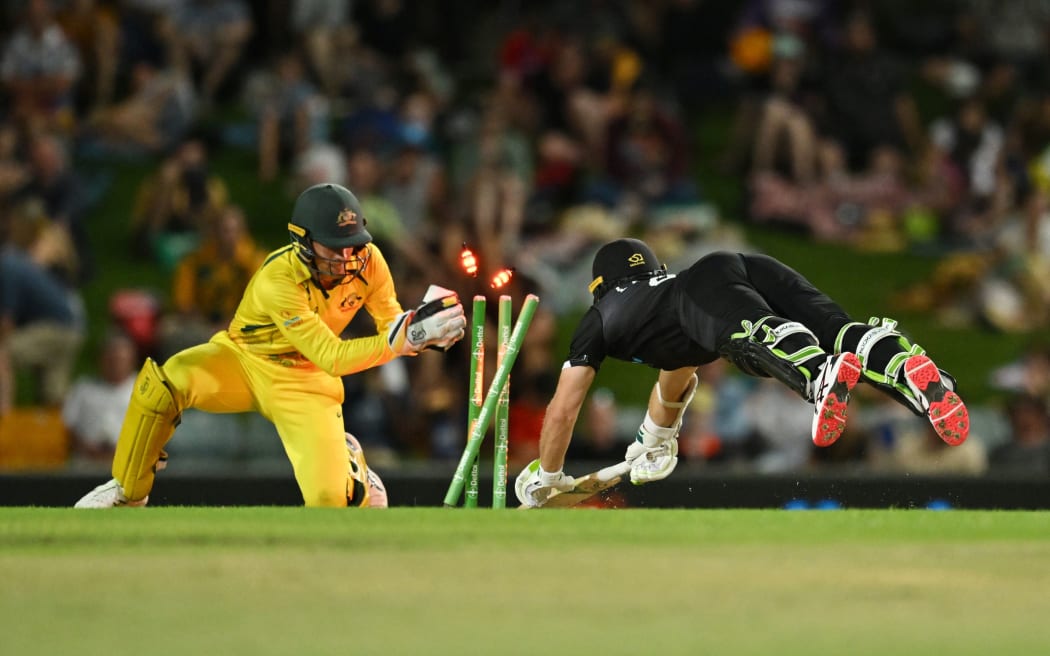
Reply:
x=942, y=405
x=831, y=389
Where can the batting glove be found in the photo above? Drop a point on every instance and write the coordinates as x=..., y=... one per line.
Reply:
x=534, y=485
x=654, y=454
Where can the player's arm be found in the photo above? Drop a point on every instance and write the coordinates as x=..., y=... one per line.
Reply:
x=562, y=414
x=288, y=307
x=586, y=354
x=543, y=478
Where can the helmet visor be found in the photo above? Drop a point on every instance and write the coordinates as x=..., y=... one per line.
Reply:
x=346, y=265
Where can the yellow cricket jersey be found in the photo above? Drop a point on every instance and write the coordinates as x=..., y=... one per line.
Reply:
x=287, y=318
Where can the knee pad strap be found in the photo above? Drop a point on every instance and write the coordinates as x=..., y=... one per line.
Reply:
x=681, y=406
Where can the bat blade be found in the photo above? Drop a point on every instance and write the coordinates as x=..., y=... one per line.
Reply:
x=587, y=487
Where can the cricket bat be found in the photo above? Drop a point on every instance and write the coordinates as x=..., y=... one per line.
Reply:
x=587, y=486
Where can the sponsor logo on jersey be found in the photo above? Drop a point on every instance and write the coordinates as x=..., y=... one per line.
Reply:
x=294, y=321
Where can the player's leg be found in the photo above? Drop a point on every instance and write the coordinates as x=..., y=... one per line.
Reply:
x=888, y=360
x=905, y=372
x=149, y=422
x=739, y=298
x=207, y=377
x=792, y=296
x=788, y=351
x=306, y=409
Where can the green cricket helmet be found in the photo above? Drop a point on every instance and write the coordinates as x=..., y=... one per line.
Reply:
x=622, y=260
x=332, y=216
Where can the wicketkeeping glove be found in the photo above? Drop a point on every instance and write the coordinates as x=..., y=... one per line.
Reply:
x=534, y=485
x=438, y=322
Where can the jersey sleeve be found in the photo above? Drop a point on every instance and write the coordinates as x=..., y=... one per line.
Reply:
x=290, y=310
x=587, y=348
x=382, y=303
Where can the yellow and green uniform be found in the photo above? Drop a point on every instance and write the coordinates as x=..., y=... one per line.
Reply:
x=282, y=357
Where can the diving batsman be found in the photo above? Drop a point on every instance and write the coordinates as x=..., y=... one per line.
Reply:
x=282, y=357
x=751, y=310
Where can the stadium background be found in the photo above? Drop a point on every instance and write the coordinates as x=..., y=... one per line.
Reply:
x=915, y=241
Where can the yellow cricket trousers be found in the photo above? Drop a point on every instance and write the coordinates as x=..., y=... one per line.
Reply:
x=304, y=404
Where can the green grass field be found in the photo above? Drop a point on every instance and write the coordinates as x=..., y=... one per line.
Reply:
x=437, y=581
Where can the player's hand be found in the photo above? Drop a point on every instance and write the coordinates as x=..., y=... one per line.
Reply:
x=438, y=322
x=652, y=463
x=534, y=485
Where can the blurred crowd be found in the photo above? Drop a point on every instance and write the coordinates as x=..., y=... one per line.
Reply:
x=532, y=132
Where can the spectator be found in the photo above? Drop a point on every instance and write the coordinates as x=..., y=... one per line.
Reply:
x=142, y=32
x=321, y=26
x=63, y=194
x=1028, y=451
x=367, y=174
x=603, y=438
x=39, y=68
x=922, y=452
x=785, y=136
x=321, y=162
x=841, y=206
x=725, y=431
x=494, y=170
x=47, y=243
x=291, y=113
x=210, y=34
x=93, y=29
x=865, y=104
x=175, y=203
x=1028, y=374
x=14, y=173
x=900, y=443
x=416, y=185
x=971, y=145
x=209, y=283
x=157, y=113
x=39, y=330
x=94, y=408
x=689, y=51
x=781, y=425
x=646, y=156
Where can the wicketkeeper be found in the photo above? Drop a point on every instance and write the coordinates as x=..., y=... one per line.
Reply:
x=282, y=356
x=752, y=310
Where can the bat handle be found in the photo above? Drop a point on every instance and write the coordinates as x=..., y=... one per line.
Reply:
x=613, y=471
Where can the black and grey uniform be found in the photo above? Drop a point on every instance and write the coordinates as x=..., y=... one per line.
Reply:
x=744, y=307
x=670, y=321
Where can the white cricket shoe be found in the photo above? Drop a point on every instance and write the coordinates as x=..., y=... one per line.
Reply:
x=831, y=389
x=108, y=495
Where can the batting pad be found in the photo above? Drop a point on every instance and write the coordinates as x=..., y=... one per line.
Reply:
x=148, y=425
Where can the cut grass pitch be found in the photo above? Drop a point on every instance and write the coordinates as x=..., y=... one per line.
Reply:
x=438, y=581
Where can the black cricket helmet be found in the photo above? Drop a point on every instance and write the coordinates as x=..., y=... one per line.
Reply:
x=620, y=260
x=332, y=216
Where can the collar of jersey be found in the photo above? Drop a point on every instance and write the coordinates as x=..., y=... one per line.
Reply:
x=299, y=268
